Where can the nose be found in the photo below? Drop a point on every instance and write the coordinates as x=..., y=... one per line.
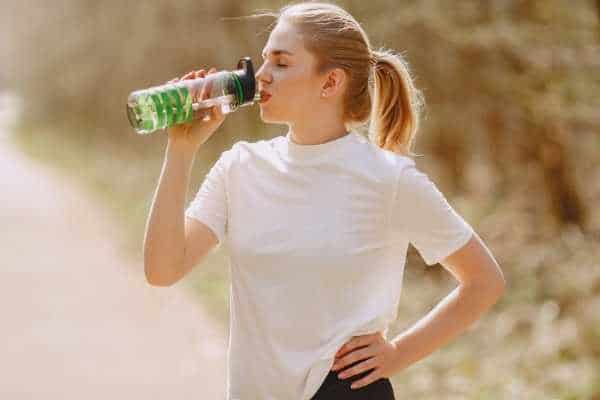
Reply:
x=261, y=74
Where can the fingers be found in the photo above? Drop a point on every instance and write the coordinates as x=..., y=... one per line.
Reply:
x=366, y=380
x=191, y=75
x=360, y=341
x=208, y=87
x=194, y=74
x=217, y=113
x=214, y=112
x=353, y=357
x=349, y=346
x=358, y=368
x=203, y=92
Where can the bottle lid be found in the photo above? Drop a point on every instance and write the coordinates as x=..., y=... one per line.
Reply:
x=245, y=73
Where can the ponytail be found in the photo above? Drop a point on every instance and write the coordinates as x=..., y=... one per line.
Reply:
x=396, y=103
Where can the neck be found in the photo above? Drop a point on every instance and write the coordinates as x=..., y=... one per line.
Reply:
x=316, y=131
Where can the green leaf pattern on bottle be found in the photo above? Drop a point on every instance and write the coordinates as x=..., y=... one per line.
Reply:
x=158, y=109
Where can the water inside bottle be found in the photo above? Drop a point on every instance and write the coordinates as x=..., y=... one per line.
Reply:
x=225, y=102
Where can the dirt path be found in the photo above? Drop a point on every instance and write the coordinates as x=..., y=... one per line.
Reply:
x=79, y=321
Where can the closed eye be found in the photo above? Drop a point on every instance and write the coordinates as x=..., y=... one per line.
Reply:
x=278, y=65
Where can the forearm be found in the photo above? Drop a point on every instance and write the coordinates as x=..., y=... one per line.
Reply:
x=448, y=319
x=164, y=238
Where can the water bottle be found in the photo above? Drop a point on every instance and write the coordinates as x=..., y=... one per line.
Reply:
x=159, y=107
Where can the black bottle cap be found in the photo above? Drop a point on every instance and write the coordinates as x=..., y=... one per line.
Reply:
x=245, y=73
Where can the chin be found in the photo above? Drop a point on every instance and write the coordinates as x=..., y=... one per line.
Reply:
x=268, y=117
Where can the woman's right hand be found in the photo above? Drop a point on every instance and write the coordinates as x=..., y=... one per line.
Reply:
x=193, y=134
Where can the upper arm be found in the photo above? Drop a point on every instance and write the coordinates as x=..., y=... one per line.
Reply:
x=422, y=214
x=207, y=214
x=474, y=264
x=199, y=241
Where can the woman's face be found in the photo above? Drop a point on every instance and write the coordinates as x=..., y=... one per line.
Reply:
x=288, y=75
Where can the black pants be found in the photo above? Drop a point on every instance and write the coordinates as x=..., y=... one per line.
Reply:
x=334, y=388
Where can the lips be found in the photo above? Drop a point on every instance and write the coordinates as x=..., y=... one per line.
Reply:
x=264, y=96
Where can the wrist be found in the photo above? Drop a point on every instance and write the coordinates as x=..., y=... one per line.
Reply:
x=181, y=149
x=401, y=358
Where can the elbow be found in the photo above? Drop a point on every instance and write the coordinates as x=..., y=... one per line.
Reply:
x=491, y=288
x=499, y=283
x=158, y=282
x=496, y=288
x=155, y=278
x=160, y=271
x=493, y=283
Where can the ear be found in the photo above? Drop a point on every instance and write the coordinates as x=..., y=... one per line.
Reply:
x=334, y=81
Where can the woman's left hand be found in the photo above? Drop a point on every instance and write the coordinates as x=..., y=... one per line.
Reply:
x=377, y=352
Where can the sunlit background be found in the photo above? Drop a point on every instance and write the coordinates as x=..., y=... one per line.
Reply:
x=511, y=135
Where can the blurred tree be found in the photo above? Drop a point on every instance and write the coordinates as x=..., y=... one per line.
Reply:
x=598, y=14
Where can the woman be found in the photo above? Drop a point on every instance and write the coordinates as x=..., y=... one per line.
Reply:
x=317, y=222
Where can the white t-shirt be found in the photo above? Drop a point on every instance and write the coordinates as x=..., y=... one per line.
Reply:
x=317, y=238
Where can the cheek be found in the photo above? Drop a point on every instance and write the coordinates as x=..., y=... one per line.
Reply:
x=301, y=101
x=297, y=87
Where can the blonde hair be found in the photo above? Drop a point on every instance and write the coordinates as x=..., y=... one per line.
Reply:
x=336, y=39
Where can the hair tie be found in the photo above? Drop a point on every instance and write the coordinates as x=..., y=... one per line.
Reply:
x=373, y=58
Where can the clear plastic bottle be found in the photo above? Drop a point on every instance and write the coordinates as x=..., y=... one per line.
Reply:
x=159, y=107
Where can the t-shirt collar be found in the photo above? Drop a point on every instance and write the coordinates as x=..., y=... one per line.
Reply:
x=305, y=152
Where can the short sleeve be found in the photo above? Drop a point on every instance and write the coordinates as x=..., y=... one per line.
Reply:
x=425, y=217
x=209, y=206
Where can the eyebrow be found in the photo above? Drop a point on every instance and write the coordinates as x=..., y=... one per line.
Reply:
x=277, y=52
